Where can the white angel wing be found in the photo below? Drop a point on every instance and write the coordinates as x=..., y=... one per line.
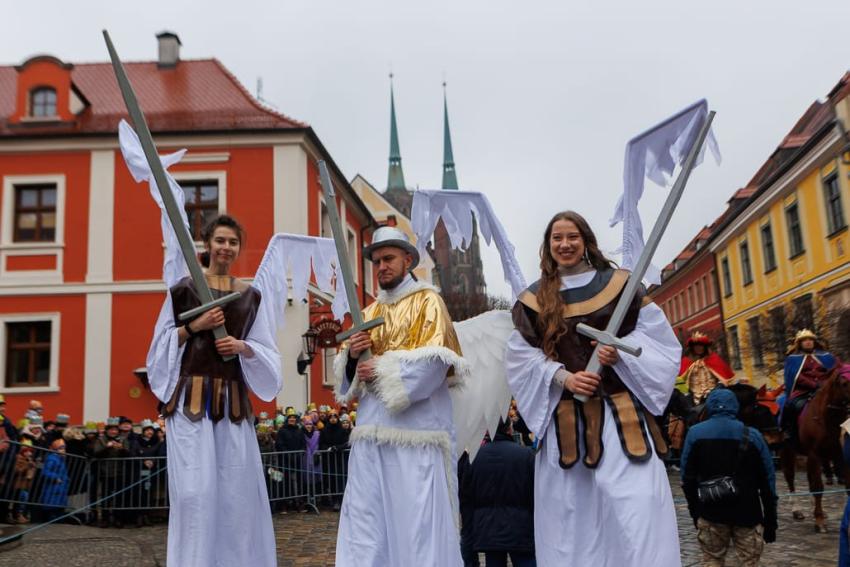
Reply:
x=288, y=260
x=456, y=209
x=485, y=396
x=173, y=264
x=655, y=154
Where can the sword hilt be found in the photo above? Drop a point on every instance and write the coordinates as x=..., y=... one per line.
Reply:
x=602, y=338
x=224, y=300
x=364, y=326
x=219, y=332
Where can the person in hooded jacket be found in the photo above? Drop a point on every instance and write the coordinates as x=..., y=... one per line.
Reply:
x=722, y=446
x=334, y=440
x=497, y=501
x=290, y=441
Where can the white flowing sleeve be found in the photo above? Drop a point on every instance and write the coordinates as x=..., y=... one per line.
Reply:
x=262, y=371
x=165, y=354
x=401, y=377
x=530, y=375
x=651, y=376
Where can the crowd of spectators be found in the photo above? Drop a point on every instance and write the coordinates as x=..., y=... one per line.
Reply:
x=44, y=462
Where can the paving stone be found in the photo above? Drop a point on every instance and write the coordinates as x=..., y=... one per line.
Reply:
x=308, y=540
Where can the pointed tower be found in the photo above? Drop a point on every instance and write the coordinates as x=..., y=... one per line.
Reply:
x=449, y=175
x=395, y=178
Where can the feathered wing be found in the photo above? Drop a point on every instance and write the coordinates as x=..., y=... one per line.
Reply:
x=289, y=261
x=485, y=396
x=456, y=209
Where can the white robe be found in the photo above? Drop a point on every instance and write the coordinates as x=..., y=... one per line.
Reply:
x=219, y=508
x=400, y=504
x=621, y=514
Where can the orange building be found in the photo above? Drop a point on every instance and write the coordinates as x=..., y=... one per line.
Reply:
x=80, y=241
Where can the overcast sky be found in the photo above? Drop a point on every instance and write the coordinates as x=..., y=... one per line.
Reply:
x=543, y=96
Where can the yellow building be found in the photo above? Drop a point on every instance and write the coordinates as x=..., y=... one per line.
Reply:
x=783, y=260
x=383, y=211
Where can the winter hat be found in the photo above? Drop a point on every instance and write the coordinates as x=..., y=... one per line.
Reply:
x=63, y=419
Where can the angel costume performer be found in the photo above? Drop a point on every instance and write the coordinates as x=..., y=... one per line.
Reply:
x=219, y=508
x=400, y=503
x=614, y=508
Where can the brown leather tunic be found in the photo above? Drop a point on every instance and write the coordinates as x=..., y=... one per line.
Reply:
x=592, y=305
x=213, y=387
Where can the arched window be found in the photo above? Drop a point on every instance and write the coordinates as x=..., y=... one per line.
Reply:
x=43, y=102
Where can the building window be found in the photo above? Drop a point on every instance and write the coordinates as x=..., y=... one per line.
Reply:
x=35, y=213
x=201, y=204
x=795, y=231
x=746, y=268
x=778, y=332
x=28, y=354
x=680, y=312
x=674, y=315
x=328, y=356
x=736, y=347
x=708, y=286
x=832, y=197
x=325, y=229
x=43, y=102
x=767, y=248
x=804, y=313
x=351, y=246
x=755, y=341
x=727, y=277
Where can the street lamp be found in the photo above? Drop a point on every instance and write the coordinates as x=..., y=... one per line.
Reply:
x=308, y=350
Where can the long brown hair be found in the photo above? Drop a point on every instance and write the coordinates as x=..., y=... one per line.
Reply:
x=551, y=320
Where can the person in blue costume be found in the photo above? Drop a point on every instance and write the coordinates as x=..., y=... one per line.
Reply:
x=807, y=365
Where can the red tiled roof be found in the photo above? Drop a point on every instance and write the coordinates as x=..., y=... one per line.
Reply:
x=815, y=117
x=841, y=90
x=195, y=95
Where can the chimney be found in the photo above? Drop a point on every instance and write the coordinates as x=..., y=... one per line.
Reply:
x=169, y=49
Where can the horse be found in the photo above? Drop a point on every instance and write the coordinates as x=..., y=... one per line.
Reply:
x=818, y=429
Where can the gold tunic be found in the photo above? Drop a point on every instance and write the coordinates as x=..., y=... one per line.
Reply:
x=414, y=321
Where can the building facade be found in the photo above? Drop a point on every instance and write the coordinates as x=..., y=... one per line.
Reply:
x=782, y=261
x=80, y=240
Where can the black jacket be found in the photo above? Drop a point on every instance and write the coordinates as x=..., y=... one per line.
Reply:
x=333, y=435
x=290, y=438
x=711, y=451
x=497, y=497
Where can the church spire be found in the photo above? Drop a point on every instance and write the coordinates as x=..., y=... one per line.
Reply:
x=395, y=178
x=449, y=175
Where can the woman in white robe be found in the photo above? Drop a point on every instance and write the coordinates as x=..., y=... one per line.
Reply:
x=618, y=511
x=219, y=509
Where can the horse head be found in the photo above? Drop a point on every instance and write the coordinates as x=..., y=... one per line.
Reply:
x=839, y=385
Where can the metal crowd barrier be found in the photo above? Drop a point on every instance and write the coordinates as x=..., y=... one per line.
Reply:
x=41, y=482
x=35, y=478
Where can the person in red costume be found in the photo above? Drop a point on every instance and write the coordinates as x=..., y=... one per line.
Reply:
x=702, y=370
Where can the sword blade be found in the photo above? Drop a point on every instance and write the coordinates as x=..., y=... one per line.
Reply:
x=341, y=246
x=172, y=210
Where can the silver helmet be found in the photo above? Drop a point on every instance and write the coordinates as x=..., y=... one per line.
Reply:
x=391, y=236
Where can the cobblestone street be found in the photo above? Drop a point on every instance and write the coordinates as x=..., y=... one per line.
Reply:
x=309, y=539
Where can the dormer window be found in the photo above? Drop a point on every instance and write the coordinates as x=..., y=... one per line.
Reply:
x=43, y=102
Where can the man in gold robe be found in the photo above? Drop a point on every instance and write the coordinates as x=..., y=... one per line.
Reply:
x=400, y=505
